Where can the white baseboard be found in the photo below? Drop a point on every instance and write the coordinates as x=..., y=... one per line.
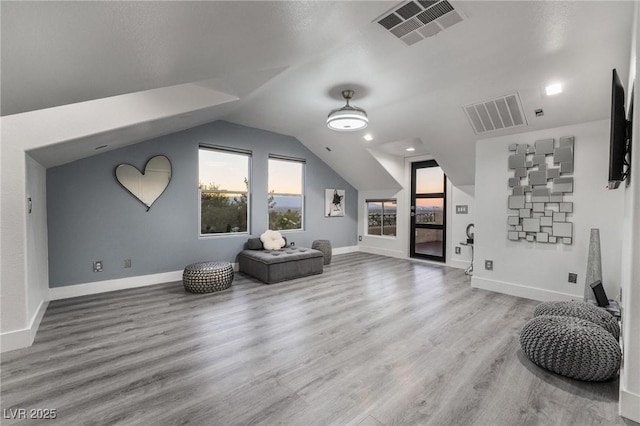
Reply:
x=382, y=252
x=57, y=293
x=630, y=405
x=521, y=290
x=18, y=339
x=13, y=340
x=35, y=321
x=345, y=250
x=459, y=264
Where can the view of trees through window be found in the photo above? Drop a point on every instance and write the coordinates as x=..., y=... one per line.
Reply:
x=381, y=215
x=286, y=196
x=224, y=188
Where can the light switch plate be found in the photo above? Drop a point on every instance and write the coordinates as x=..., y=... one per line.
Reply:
x=462, y=209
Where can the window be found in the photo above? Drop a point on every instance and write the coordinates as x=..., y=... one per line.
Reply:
x=286, y=193
x=224, y=190
x=381, y=215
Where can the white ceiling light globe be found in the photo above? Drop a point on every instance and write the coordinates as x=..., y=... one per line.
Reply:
x=347, y=118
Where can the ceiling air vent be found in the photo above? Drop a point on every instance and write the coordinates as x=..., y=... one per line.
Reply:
x=413, y=21
x=496, y=114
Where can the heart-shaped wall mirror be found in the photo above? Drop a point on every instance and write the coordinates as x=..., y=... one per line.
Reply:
x=146, y=186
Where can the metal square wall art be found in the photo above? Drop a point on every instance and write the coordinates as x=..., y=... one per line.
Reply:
x=541, y=182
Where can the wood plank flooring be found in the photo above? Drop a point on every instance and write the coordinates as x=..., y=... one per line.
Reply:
x=372, y=341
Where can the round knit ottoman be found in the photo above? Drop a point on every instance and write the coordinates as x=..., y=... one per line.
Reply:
x=325, y=247
x=207, y=277
x=571, y=347
x=581, y=310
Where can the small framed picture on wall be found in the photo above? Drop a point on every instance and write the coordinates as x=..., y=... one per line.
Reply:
x=334, y=202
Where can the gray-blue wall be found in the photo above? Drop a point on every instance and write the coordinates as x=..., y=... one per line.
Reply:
x=91, y=217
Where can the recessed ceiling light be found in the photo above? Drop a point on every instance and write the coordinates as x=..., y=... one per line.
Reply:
x=410, y=149
x=553, y=89
x=368, y=137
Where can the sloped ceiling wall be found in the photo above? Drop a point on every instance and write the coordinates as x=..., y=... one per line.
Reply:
x=286, y=62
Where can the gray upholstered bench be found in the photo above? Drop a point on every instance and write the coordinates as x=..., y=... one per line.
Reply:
x=272, y=266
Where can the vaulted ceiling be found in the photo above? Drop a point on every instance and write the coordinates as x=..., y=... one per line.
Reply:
x=280, y=66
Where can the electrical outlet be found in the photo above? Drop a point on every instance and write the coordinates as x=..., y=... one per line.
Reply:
x=97, y=266
x=359, y=237
x=457, y=250
x=573, y=278
x=488, y=265
x=127, y=263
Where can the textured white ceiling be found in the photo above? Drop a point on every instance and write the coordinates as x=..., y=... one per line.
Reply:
x=287, y=62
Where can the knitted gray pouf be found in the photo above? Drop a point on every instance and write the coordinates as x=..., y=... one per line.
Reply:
x=207, y=277
x=581, y=310
x=571, y=347
x=325, y=247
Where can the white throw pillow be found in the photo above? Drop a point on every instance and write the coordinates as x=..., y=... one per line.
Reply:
x=272, y=240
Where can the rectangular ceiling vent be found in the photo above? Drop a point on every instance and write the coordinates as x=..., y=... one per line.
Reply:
x=496, y=114
x=413, y=21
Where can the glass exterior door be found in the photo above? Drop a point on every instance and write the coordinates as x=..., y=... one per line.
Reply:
x=428, y=211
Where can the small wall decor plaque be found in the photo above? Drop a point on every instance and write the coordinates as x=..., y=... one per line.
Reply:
x=146, y=186
x=541, y=180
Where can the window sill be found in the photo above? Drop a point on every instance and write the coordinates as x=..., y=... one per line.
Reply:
x=223, y=235
x=384, y=237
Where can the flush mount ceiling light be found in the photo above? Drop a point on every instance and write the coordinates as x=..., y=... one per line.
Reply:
x=553, y=89
x=347, y=118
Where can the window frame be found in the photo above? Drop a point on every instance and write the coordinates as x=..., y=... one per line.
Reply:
x=415, y=166
x=383, y=201
x=303, y=163
x=226, y=150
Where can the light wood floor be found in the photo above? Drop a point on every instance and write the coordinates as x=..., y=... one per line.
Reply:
x=372, y=341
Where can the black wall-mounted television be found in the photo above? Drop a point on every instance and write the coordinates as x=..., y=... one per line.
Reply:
x=620, y=141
